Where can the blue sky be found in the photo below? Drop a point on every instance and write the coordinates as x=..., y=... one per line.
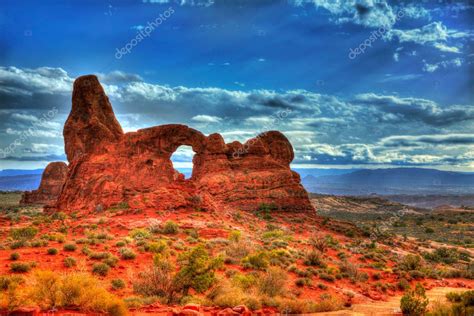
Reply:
x=367, y=83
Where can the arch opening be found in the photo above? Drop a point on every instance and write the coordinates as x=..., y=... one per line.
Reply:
x=182, y=160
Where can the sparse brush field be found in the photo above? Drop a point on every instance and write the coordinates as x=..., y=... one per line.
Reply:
x=454, y=228
x=116, y=260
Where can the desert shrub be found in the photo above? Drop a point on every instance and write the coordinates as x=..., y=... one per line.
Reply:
x=273, y=234
x=410, y=262
x=101, y=269
x=111, y=261
x=273, y=282
x=235, y=236
x=226, y=294
x=158, y=280
x=244, y=281
x=14, y=256
x=81, y=290
x=52, y=251
x=24, y=233
x=46, y=289
x=140, y=233
x=301, y=306
x=264, y=211
x=69, y=247
x=259, y=261
x=403, y=284
x=20, y=267
x=69, y=262
x=238, y=249
x=18, y=244
x=462, y=303
x=127, y=253
x=314, y=258
x=97, y=255
x=117, y=284
x=10, y=296
x=318, y=243
x=327, y=277
x=444, y=255
x=157, y=246
x=120, y=243
x=302, y=282
x=414, y=302
x=197, y=269
x=170, y=228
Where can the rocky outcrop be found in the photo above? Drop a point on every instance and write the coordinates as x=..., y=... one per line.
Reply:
x=52, y=181
x=112, y=169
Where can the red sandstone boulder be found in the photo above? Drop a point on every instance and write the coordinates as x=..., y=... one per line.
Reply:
x=109, y=168
x=52, y=181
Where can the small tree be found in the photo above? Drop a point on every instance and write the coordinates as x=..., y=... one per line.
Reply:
x=414, y=302
x=197, y=270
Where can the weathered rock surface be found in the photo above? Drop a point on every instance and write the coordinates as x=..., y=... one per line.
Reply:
x=52, y=181
x=112, y=169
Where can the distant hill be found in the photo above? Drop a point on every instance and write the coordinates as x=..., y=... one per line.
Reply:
x=19, y=172
x=25, y=182
x=392, y=181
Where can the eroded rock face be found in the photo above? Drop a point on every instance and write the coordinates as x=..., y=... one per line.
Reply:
x=112, y=169
x=52, y=181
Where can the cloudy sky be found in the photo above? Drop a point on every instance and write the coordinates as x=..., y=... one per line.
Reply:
x=356, y=83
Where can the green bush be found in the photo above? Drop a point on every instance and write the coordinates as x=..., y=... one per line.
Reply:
x=273, y=282
x=410, y=262
x=14, y=256
x=127, y=253
x=97, y=255
x=52, y=251
x=24, y=233
x=69, y=262
x=259, y=261
x=170, y=228
x=157, y=246
x=111, y=261
x=70, y=247
x=444, y=255
x=414, y=302
x=197, y=269
x=20, y=267
x=140, y=233
x=314, y=258
x=117, y=284
x=100, y=269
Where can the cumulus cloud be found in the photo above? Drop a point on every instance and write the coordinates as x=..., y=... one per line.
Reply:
x=206, y=119
x=435, y=34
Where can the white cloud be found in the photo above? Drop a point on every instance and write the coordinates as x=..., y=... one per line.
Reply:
x=206, y=119
x=453, y=63
x=435, y=34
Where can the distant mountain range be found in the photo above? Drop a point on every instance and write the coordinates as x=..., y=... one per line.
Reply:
x=392, y=181
x=411, y=181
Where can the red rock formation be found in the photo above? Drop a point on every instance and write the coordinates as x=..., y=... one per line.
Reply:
x=108, y=168
x=52, y=181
